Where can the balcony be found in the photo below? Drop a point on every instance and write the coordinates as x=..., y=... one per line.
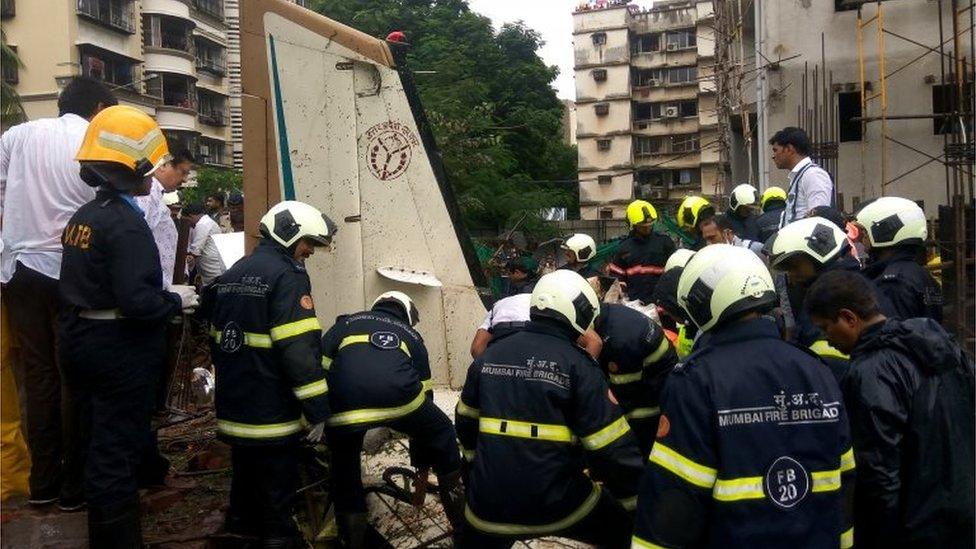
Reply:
x=212, y=117
x=213, y=8
x=114, y=14
x=213, y=65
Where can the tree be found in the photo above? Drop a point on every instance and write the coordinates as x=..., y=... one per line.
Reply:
x=11, y=109
x=488, y=96
x=212, y=180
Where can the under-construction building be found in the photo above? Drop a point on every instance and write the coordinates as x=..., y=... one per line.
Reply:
x=885, y=91
x=645, y=102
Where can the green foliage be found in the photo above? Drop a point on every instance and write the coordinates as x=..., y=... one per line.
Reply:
x=212, y=180
x=495, y=117
x=11, y=111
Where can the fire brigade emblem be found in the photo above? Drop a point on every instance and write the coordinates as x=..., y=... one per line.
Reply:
x=389, y=149
x=787, y=482
x=232, y=338
x=385, y=340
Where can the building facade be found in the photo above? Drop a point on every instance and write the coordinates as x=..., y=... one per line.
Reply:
x=166, y=57
x=904, y=156
x=645, y=101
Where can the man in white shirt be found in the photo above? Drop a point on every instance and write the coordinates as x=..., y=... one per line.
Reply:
x=168, y=178
x=810, y=185
x=510, y=315
x=203, y=227
x=40, y=189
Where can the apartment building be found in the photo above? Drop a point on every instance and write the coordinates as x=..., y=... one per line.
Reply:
x=166, y=57
x=645, y=105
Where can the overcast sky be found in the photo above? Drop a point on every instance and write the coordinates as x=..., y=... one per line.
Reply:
x=553, y=19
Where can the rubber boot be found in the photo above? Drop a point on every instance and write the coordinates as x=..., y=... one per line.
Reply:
x=115, y=526
x=451, y=491
x=352, y=529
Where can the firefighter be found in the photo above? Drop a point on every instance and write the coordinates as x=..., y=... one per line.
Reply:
x=531, y=404
x=804, y=250
x=773, y=202
x=639, y=260
x=113, y=331
x=752, y=448
x=893, y=230
x=265, y=347
x=691, y=212
x=380, y=376
x=910, y=399
x=741, y=213
x=636, y=358
x=580, y=248
x=673, y=319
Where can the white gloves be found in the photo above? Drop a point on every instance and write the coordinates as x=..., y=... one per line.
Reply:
x=315, y=433
x=189, y=299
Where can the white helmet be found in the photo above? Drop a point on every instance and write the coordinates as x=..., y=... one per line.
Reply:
x=721, y=282
x=171, y=198
x=565, y=296
x=743, y=195
x=678, y=259
x=582, y=245
x=820, y=239
x=891, y=220
x=403, y=300
x=288, y=222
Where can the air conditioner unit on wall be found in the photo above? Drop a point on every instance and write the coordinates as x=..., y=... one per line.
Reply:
x=672, y=47
x=671, y=112
x=653, y=82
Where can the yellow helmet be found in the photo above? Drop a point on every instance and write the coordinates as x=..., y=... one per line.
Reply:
x=640, y=211
x=772, y=193
x=127, y=136
x=691, y=209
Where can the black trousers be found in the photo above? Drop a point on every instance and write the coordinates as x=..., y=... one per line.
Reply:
x=262, y=491
x=433, y=443
x=608, y=525
x=109, y=364
x=49, y=408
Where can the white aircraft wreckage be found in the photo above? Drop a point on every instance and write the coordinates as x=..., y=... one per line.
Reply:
x=332, y=118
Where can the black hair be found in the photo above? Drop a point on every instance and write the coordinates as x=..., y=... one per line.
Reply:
x=723, y=221
x=836, y=290
x=792, y=135
x=194, y=208
x=218, y=196
x=833, y=215
x=182, y=155
x=83, y=95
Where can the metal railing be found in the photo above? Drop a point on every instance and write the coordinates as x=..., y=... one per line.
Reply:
x=112, y=13
x=211, y=64
x=213, y=117
x=214, y=8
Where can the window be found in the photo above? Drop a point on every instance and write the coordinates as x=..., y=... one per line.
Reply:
x=945, y=100
x=606, y=213
x=682, y=75
x=848, y=107
x=684, y=143
x=10, y=72
x=602, y=109
x=116, y=14
x=105, y=68
x=648, y=77
x=643, y=111
x=604, y=179
x=646, y=146
x=8, y=9
x=646, y=43
x=600, y=75
x=686, y=177
x=210, y=108
x=688, y=108
x=210, y=57
x=599, y=38
x=681, y=39
x=603, y=144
